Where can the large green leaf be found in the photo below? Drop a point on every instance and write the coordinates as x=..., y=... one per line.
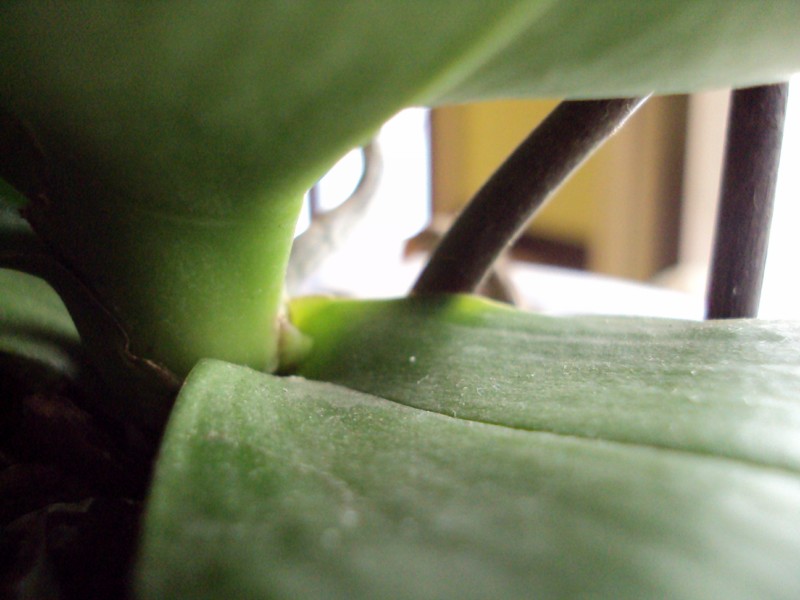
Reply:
x=176, y=139
x=191, y=109
x=271, y=487
x=725, y=388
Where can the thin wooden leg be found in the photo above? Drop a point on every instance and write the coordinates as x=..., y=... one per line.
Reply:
x=755, y=133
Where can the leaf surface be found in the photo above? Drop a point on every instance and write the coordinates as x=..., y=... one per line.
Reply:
x=191, y=109
x=35, y=327
x=718, y=387
x=286, y=487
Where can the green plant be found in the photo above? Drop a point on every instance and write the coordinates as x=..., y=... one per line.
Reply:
x=436, y=446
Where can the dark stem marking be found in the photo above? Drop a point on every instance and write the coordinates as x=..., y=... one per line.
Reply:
x=497, y=214
x=755, y=132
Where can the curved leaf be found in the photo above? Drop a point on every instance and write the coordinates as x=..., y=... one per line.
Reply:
x=285, y=487
x=35, y=327
x=189, y=109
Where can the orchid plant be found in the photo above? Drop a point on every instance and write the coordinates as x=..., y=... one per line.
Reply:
x=154, y=158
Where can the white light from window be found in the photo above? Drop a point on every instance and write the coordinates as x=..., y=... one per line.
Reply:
x=780, y=296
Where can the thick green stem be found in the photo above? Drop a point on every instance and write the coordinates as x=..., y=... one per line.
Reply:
x=186, y=289
x=182, y=286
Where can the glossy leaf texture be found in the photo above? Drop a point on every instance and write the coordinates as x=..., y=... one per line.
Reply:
x=175, y=140
x=457, y=475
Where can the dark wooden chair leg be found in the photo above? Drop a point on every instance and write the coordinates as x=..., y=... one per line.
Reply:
x=499, y=211
x=755, y=132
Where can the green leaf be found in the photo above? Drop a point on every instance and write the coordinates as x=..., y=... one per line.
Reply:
x=719, y=387
x=35, y=327
x=616, y=48
x=174, y=140
x=286, y=487
x=9, y=196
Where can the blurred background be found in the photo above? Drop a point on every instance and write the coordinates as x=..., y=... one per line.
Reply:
x=630, y=233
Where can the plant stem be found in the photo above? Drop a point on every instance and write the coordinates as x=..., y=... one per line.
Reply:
x=752, y=155
x=497, y=214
